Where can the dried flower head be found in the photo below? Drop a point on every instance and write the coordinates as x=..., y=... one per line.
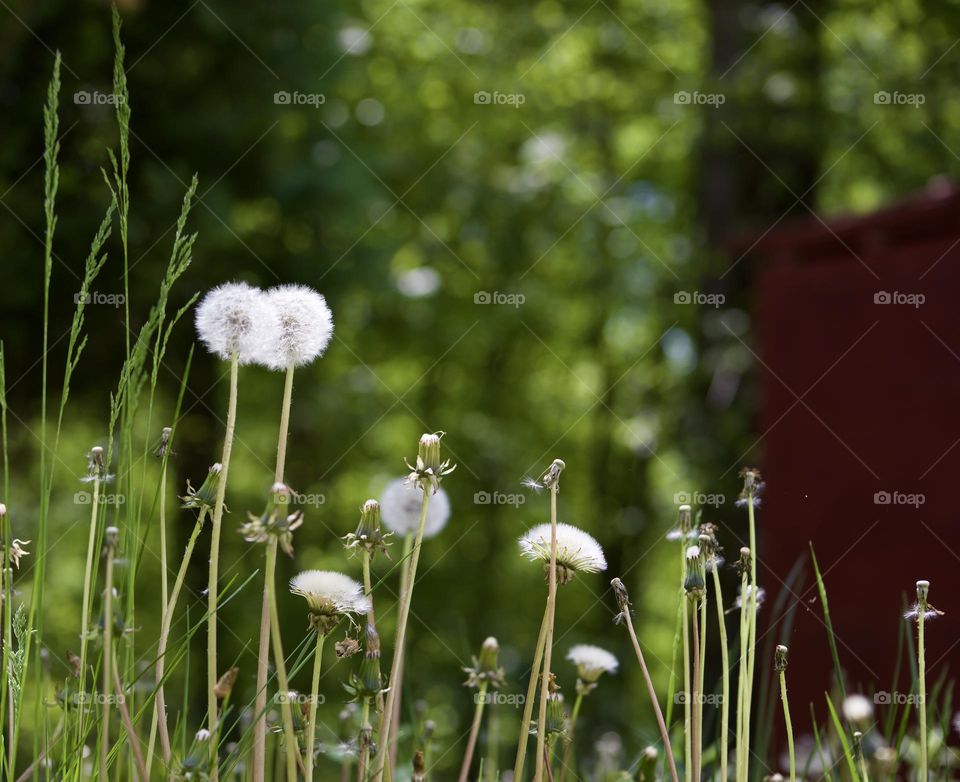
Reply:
x=592, y=662
x=163, y=448
x=274, y=521
x=368, y=536
x=684, y=531
x=330, y=596
x=224, y=685
x=622, y=597
x=486, y=667
x=205, y=497
x=429, y=469
x=780, y=658
x=96, y=467
x=577, y=551
x=400, y=509
x=304, y=327
x=368, y=682
x=753, y=487
x=235, y=319
x=712, y=552
x=922, y=607
x=17, y=551
x=857, y=708
x=550, y=478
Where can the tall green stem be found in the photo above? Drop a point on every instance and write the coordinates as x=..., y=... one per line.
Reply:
x=697, y=704
x=165, y=624
x=107, y=664
x=212, y=585
x=568, y=751
x=395, y=671
x=401, y=651
x=481, y=699
x=365, y=730
x=263, y=648
x=725, y=675
x=289, y=737
x=312, y=716
x=752, y=628
x=548, y=641
x=687, y=733
x=524, y=737
x=922, y=682
x=85, y=606
x=742, y=676
x=789, y=725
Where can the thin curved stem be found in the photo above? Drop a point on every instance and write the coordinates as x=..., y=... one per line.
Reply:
x=789, y=725
x=568, y=750
x=481, y=699
x=524, y=737
x=107, y=665
x=212, y=585
x=263, y=648
x=697, y=704
x=401, y=651
x=85, y=607
x=922, y=682
x=312, y=707
x=405, y=600
x=290, y=739
x=725, y=691
x=548, y=642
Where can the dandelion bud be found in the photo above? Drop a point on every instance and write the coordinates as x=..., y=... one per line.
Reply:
x=780, y=659
x=622, y=598
x=368, y=535
x=694, y=582
x=743, y=564
x=684, y=518
x=368, y=681
x=556, y=723
x=486, y=667
x=648, y=765
x=111, y=536
x=429, y=469
x=205, y=497
x=419, y=766
x=224, y=685
x=923, y=589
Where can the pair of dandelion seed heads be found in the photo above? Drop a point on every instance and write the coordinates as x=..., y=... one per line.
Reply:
x=286, y=326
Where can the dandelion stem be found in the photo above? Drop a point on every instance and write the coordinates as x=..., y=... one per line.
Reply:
x=212, y=675
x=107, y=663
x=132, y=739
x=687, y=737
x=548, y=641
x=480, y=698
x=788, y=724
x=312, y=707
x=752, y=629
x=742, y=676
x=166, y=623
x=395, y=673
x=725, y=678
x=568, y=750
x=531, y=694
x=87, y=578
x=696, y=705
x=668, y=750
x=401, y=651
x=365, y=730
x=289, y=738
x=922, y=683
x=263, y=648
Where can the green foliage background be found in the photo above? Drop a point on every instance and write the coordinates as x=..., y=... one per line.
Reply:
x=402, y=198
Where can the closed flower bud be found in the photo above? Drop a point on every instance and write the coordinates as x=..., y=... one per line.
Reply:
x=430, y=469
x=368, y=536
x=780, y=659
x=111, y=537
x=368, y=681
x=419, y=766
x=486, y=668
x=224, y=685
x=205, y=497
x=164, y=445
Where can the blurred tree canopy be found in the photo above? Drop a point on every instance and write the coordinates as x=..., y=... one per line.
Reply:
x=501, y=203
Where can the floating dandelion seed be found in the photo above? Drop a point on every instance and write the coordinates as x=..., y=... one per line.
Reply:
x=236, y=319
x=304, y=327
x=744, y=598
x=592, y=661
x=577, y=551
x=400, y=509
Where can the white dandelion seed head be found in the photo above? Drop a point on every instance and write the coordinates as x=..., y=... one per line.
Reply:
x=592, y=661
x=744, y=598
x=329, y=592
x=235, y=318
x=304, y=327
x=576, y=549
x=857, y=708
x=203, y=735
x=693, y=552
x=400, y=509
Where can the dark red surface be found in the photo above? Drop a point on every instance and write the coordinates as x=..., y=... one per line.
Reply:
x=858, y=398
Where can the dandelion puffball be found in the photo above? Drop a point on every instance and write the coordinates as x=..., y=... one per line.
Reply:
x=235, y=319
x=857, y=708
x=329, y=593
x=304, y=327
x=592, y=661
x=576, y=550
x=400, y=509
